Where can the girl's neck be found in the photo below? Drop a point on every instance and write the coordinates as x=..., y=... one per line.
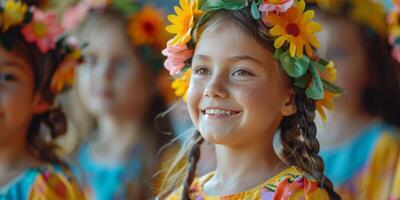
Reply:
x=116, y=137
x=240, y=169
x=15, y=158
x=342, y=126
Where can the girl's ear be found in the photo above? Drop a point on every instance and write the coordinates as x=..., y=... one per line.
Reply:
x=289, y=106
x=39, y=104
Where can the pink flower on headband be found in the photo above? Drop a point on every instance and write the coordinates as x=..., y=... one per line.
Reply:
x=43, y=30
x=279, y=6
x=176, y=57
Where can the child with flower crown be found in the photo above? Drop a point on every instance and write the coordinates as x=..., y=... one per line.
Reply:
x=36, y=63
x=116, y=87
x=359, y=141
x=248, y=70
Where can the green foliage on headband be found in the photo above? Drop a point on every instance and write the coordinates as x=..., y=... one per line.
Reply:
x=254, y=11
x=332, y=88
x=225, y=4
x=316, y=89
x=125, y=6
x=295, y=67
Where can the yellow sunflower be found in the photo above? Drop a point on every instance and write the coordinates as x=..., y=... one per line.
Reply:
x=146, y=27
x=181, y=84
x=183, y=21
x=329, y=74
x=13, y=14
x=296, y=27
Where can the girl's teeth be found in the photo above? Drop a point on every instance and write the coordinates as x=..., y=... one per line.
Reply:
x=219, y=112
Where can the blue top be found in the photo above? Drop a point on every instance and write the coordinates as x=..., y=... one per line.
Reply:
x=346, y=160
x=51, y=180
x=109, y=182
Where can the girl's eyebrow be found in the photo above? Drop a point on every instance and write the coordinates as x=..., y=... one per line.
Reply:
x=10, y=63
x=234, y=58
x=246, y=57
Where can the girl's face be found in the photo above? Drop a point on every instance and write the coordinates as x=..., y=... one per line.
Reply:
x=18, y=101
x=112, y=81
x=349, y=57
x=237, y=93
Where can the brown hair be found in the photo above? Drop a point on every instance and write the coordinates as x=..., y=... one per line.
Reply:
x=46, y=127
x=298, y=131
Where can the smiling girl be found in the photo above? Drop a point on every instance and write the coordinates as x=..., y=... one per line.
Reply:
x=36, y=63
x=251, y=71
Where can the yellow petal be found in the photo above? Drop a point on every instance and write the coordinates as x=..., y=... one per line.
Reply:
x=292, y=49
x=301, y=5
x=279, y=42
x=276, y=30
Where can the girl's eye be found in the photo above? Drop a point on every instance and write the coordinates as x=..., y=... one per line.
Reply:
x=241, y=72
x=201, y=71
x=4, y=77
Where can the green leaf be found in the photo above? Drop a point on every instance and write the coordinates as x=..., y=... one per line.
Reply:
x=225, y=4
x=333, y=88
x=254, y=11
x=316, y=89
x=125, y=6
x=318, y=66
x=294, y=66
x=277, y=53
x=302, y=81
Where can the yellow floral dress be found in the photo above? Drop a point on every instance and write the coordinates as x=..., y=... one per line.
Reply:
x=290, y=184
x=50, y=182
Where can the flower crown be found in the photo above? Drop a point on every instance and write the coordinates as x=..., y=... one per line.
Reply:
x=394, y=30
x=41, y=29
x=145, y=26
x=370, y=13
x=289, y=24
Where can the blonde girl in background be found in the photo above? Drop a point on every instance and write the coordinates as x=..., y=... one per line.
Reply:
x=37, y=62
x=359, y=141
x=250, y=70
x=117, y=88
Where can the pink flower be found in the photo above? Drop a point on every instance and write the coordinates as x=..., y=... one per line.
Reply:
x=279, y=6
x=43, y=30
x=176, y=57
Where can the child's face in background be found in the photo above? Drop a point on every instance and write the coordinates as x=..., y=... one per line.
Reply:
x=113, y=81
x=17, y=97
x=344, y=46
x=233, y=73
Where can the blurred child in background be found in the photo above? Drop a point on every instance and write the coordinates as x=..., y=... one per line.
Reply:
x=359, y=139
x=117, y=87
x=36, y=63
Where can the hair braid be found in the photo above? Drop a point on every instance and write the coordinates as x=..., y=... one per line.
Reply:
x=193, y=158
x=300, y=146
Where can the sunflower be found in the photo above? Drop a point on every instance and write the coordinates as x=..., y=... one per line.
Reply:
x=146, y=27
x=329, y=74
x=183, y=21
x=294, y=26
x=13, y=14
x=181, y=84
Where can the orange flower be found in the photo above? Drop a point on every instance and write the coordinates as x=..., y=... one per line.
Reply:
x=183, y=21
x=296, y=27
x=329, y=74
x=147, y=27
x=181, y=84
x=64, y=76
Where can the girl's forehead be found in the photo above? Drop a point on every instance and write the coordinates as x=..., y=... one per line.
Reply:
x=12, y=59
x=230, y=40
